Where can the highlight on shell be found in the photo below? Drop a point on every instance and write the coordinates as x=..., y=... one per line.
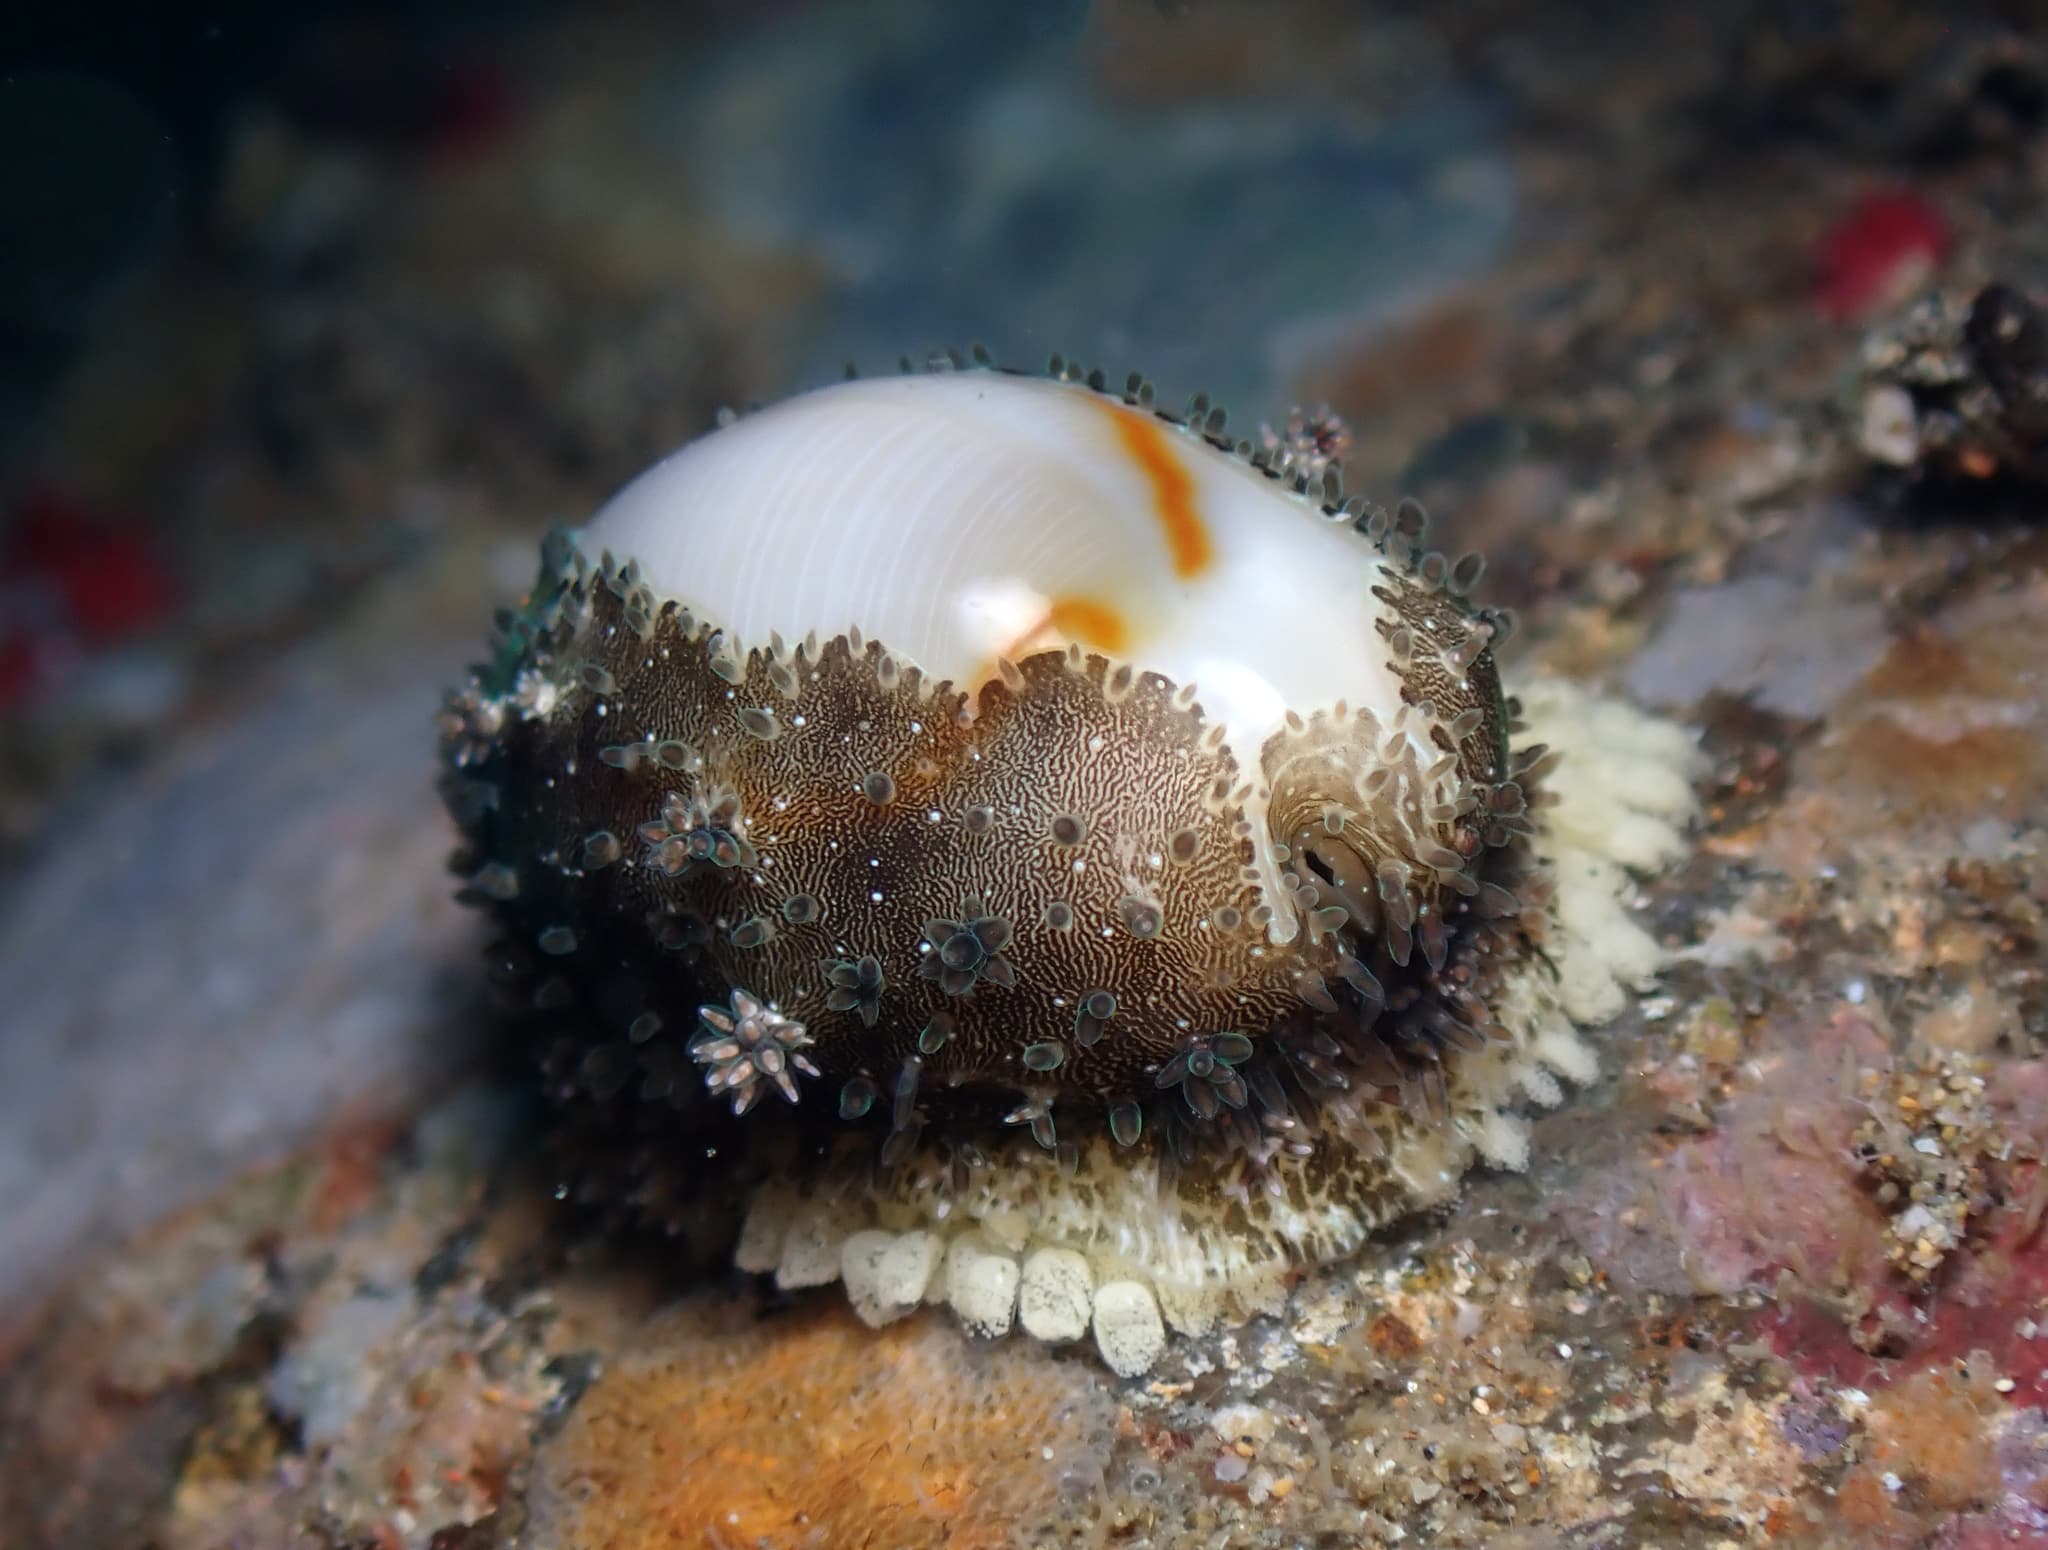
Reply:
x=1038, y=853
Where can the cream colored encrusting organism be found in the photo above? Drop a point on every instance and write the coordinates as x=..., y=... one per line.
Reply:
x=1040, y=855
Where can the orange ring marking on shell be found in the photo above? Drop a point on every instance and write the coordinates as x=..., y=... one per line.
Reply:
x=1090, y=622
x=1087, y=621
x=1173, y=489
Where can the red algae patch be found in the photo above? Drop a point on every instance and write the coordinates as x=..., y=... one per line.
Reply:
x=1885, y=248
x=812, y=1430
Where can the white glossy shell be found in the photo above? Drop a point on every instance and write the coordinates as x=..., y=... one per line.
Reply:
x=949, y=517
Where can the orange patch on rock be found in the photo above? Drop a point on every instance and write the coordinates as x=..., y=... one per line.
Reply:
x=1935, y=1430
x=1931, y=1450
x=812, y=1429
x=1173, y=489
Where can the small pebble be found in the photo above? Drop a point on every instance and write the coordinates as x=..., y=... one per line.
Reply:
x=1240, y=1423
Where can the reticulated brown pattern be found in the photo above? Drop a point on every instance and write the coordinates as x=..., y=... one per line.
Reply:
x=1078, y=805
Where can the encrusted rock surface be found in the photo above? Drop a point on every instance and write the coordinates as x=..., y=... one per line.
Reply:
x=283, y=1261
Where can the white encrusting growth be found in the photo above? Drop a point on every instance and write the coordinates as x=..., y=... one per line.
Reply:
x=1056, y=1295
x=1128, y=1330
x=887, y=1274
x=981, y=1284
